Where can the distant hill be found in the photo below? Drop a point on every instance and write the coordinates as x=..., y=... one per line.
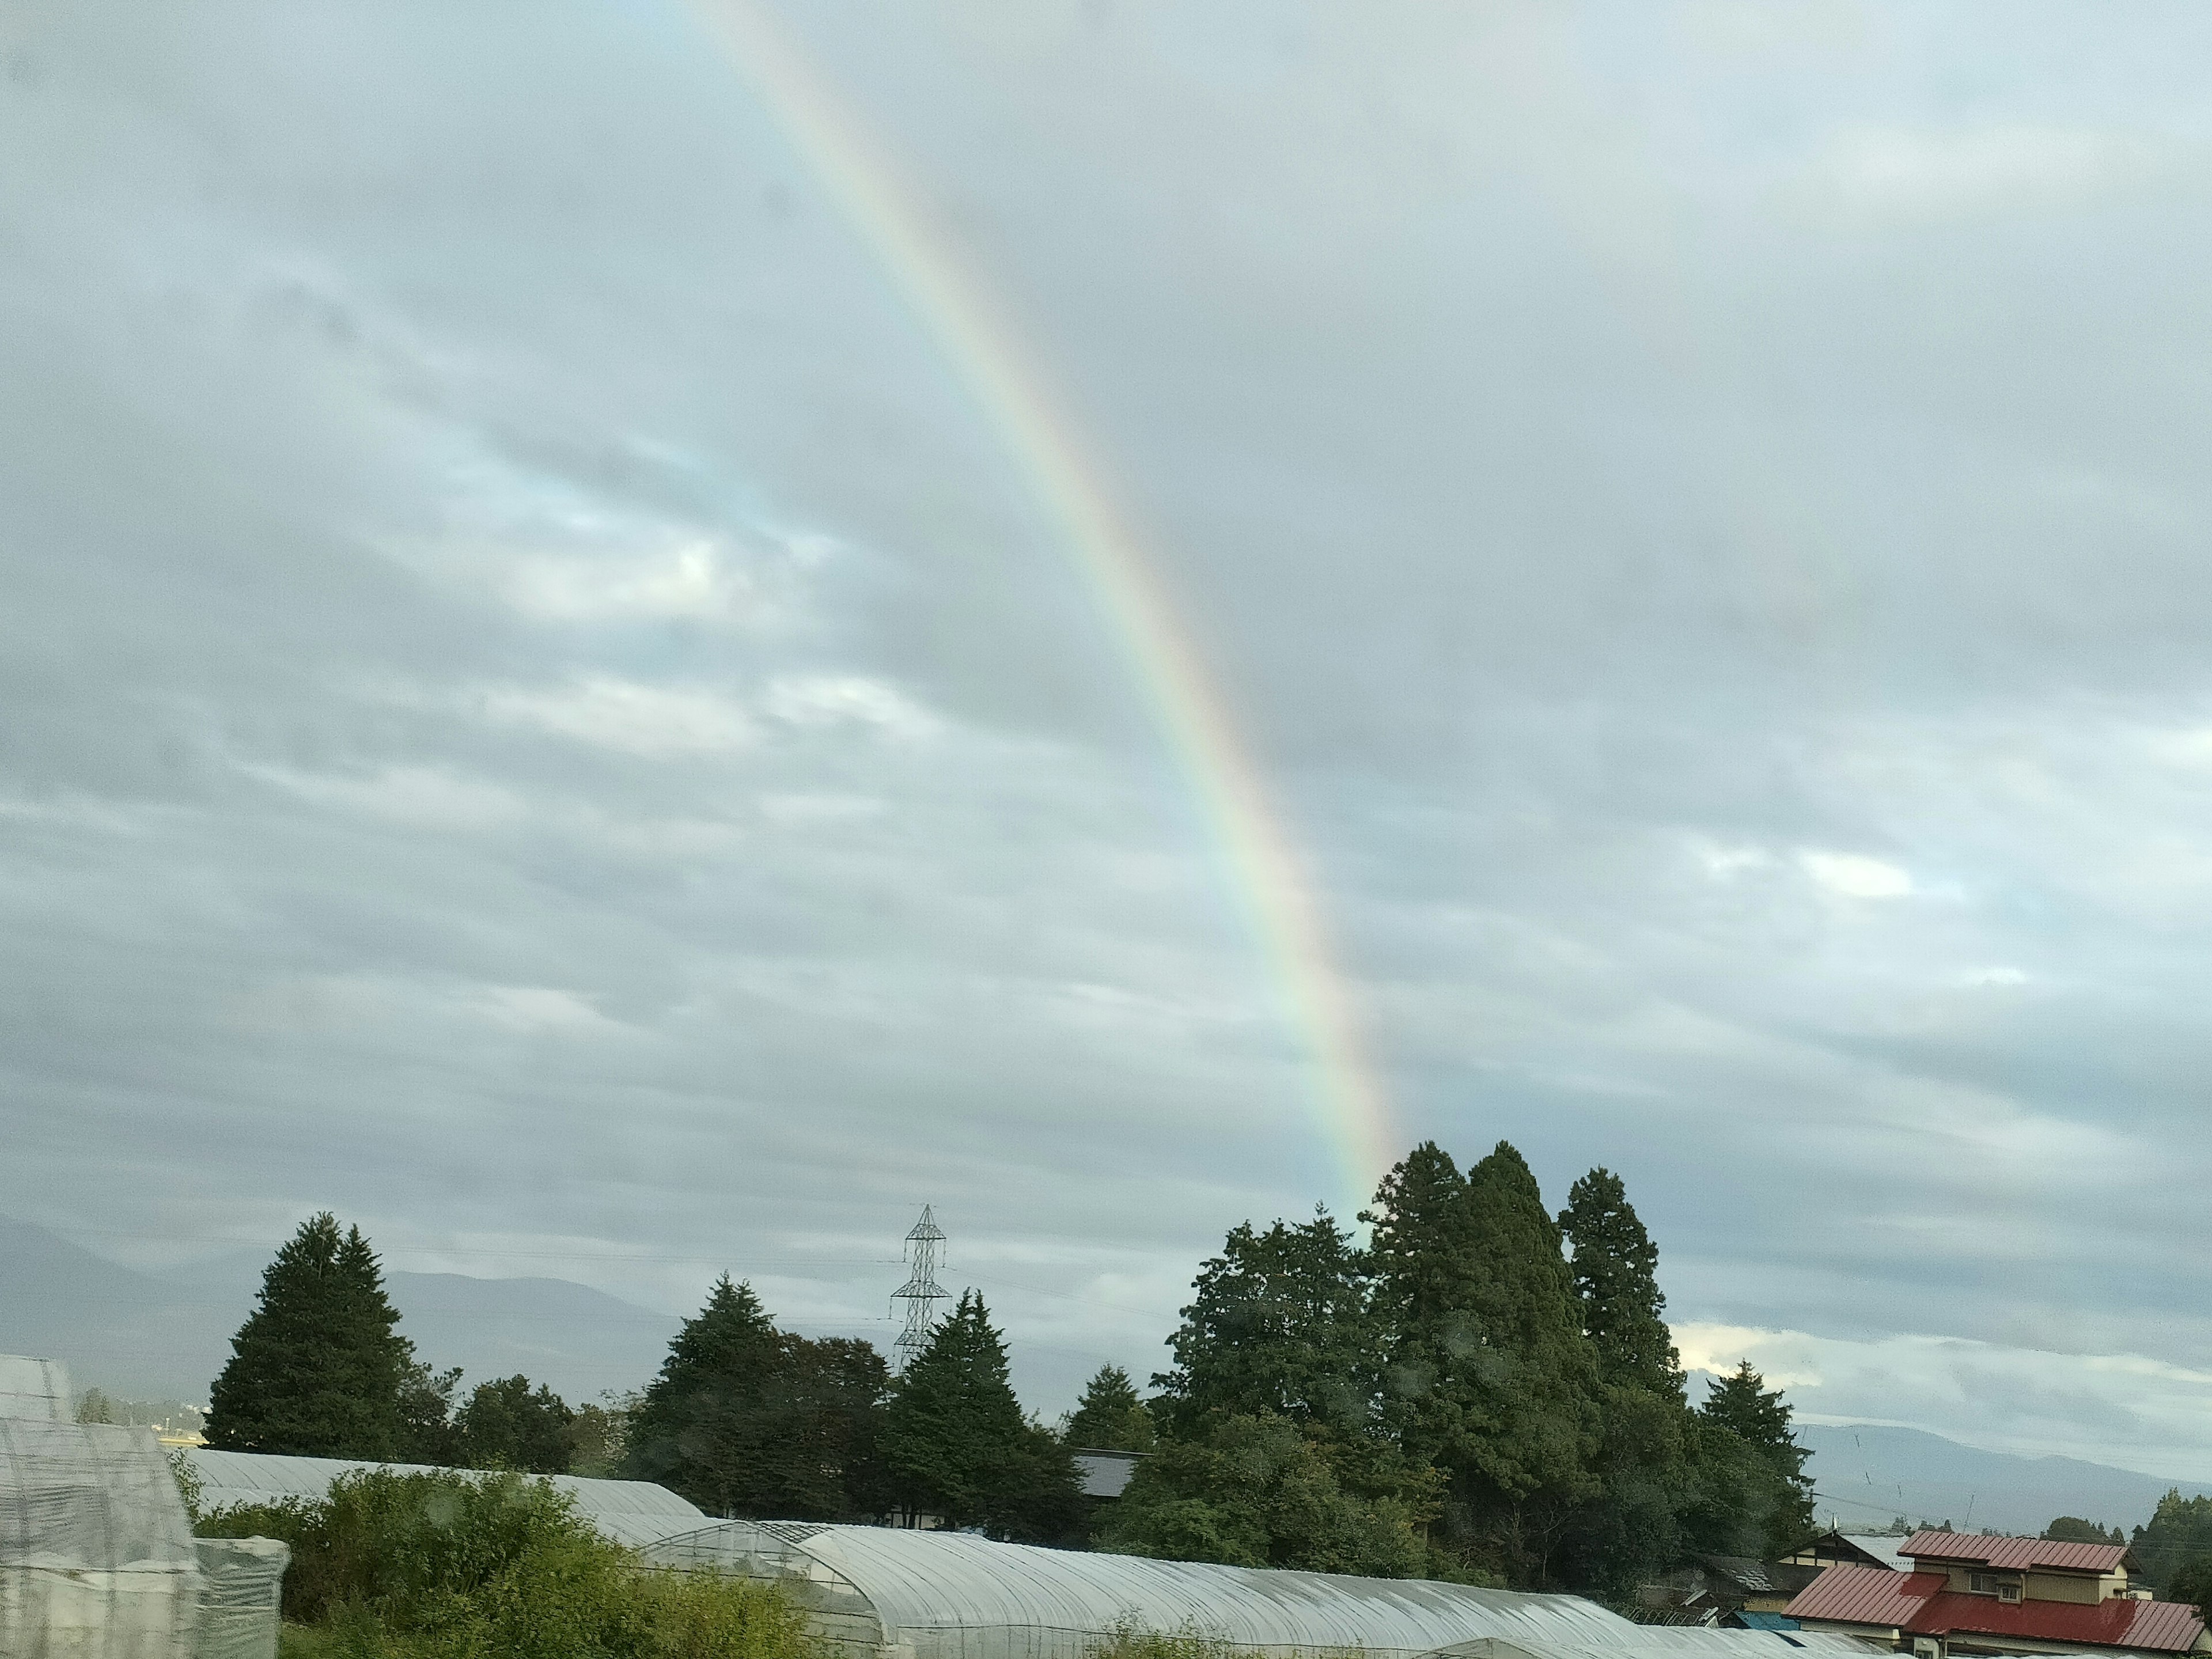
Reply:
x=146, y=1335
x=1867, y=1474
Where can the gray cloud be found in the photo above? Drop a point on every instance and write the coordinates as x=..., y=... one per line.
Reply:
x=539, y=713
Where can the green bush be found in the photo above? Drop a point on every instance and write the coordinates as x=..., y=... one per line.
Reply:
x=447, y=1565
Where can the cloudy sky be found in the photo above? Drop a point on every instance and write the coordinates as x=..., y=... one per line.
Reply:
x=541, y=709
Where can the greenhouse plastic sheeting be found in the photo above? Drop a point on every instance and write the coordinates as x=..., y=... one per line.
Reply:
x=34, y=1387
x=633, y=1512
x=96, y=1556
x=239, y=1582
x=952, y=1595
x=1673, y=1642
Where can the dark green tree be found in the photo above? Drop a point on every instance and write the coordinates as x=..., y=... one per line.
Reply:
x=597, y=1437
x=426, y=1433
x=747, y=1419
x=957, y=1445
x=1280, y=1325
x=2177, y=1536
x=1490, y=1376
x=1265, y=1492
x=316, y=1370
x=2073, y=1529
x=1616, y=1275
x=1631, y=1528
x=1109, y=1417
x=506, y=1425
x=1753, y=1498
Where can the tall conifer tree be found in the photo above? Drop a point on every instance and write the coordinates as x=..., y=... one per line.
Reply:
x=1616, y=1272
x=1491, y=1378
x=1756, y=1497
x=747, y=1419
x=316, y=1370
x=957, y=1445
x=1109, y=1417
x=1632, y=1528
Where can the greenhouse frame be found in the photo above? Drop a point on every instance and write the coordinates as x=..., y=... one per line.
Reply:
x=885, y=1592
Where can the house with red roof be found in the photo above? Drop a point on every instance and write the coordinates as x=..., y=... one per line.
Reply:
x=1970, y=1592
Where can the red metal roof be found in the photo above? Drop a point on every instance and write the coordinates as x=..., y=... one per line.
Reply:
x=1853, y=1594
x=2016, y=1554
x=1919, y=1604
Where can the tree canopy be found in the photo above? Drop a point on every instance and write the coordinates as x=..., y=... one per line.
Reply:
x=957, y=1445
x=316, y=1370
x=747, y=1420
x=1280, y=1325
x=1109, y=1417
x=508, y=1426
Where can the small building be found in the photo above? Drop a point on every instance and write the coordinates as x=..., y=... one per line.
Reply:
x=1105, y=1474
x=1837, y=1548
x=1970, y=1592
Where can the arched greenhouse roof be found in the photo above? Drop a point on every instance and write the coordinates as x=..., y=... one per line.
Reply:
x=953, y=1595
x=633, y=1512
x=97, y=1552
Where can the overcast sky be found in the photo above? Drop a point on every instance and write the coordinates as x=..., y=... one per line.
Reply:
x=538, y=712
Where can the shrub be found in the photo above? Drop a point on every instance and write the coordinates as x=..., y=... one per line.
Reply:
x=447, y=1565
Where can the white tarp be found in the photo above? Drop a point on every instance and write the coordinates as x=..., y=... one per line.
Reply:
x=240, y=1580
x=96, y=1556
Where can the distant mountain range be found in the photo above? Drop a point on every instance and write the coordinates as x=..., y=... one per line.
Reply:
x=164, y=1336
x=1866, y=1475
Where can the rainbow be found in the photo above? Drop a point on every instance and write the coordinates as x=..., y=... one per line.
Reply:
x=1263, y=869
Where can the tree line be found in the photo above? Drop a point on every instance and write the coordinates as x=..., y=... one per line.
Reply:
x=1482, y=1391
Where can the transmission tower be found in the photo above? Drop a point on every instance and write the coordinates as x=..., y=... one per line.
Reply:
x=921, y=1292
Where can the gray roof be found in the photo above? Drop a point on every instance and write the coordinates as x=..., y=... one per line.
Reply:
x=1106, y=1474
x=633, y=1512
x=953, y=1595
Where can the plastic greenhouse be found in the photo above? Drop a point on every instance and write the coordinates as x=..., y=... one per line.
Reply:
x=875, y=1592
x=240, y=1579
x=96, y=1554
x=34, y=1388
x=633, y=1512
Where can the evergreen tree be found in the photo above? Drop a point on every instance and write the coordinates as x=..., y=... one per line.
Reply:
x=958, y=1446
x=427, y=1434
x=316, y=1370
x=1756, y=1500
x=1491, y=1378
x=1280, y=1325
x=1631, y=1528
x=506, y=1426
x=1109, y=1417
x=747, y=1419
x=2176, y=1539
x=2073, y=1529
x=1616, y=1272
